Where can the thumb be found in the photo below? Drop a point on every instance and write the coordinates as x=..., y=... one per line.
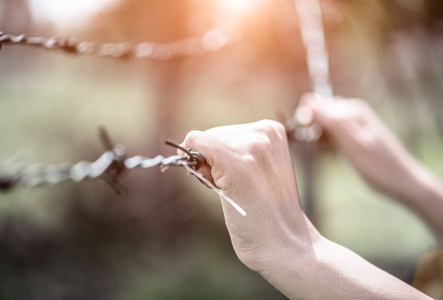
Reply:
x=314, y=108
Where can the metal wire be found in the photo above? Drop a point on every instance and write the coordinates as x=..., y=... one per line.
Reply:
x=103, y=167
x=212, y=40
x=311, y=26
x=113, y=162
x=317, y=59
x=109, y=166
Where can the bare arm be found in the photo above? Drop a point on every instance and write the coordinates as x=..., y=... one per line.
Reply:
x=251, y=164
x=378, y=156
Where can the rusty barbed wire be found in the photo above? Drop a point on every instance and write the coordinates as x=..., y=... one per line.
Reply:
x=317, y=60
x=211, y=41
x=53, y=174
x=109, y=166
x=311, y=26
x=313, y=36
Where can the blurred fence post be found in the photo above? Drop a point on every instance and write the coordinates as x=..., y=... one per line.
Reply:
x=169, y=97
x=307, y=155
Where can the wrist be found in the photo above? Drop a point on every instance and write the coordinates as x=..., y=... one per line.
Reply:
x=410, y=180
x=426, y=198
x=293, y=267
x=427, y=186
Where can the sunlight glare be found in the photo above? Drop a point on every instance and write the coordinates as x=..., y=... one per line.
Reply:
x=238, y=6
x=66, y=13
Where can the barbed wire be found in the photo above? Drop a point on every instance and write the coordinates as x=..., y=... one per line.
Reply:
x=104, y=166
x=109, y=166
x=211, y=41
x=317, y=59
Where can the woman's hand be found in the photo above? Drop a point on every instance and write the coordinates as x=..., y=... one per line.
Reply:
x=373, y=150
x=251, y=164
x=378, y=155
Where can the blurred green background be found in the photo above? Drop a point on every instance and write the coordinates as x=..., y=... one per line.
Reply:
x=166, y=239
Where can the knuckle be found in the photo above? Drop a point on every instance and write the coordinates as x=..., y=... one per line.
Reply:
x=259, y=147
x=267, y=135
x=264, y=126
x=192, y=138
x=281, y=130
x=269, y=124
x=273, y=128
x=345, y=112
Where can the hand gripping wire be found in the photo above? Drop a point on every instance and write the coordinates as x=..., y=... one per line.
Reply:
x=193, y=169
x=110, y=166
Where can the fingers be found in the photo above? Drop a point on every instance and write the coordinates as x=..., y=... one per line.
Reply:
x=201, y=142
x=330, y=113
x=205, y=170
x=196, y=141
x=304, y=113
x=320, y=110
x=225, y=148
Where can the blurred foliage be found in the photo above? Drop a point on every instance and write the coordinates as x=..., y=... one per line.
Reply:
x=166, y=239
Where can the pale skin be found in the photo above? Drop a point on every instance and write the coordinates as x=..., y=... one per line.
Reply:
x=378, y=156
x=251, y=164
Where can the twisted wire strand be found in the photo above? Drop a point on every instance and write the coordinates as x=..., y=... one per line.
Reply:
x=109, y=166
x=39, y=174
x=317, y=59
x=211, y=41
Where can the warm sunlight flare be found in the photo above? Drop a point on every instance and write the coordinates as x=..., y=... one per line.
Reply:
x=238, y=6
x=65, y=13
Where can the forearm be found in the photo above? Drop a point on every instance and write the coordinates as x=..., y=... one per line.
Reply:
x=425, y=196
x=407, y=180
x=379, y=156
x=330, y=271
